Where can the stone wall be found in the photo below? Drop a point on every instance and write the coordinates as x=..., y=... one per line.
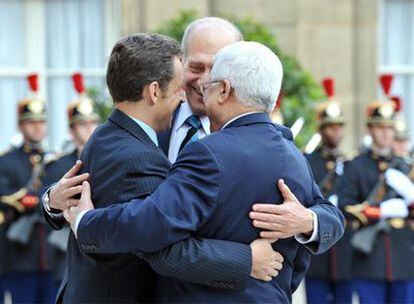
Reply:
x=335, y=38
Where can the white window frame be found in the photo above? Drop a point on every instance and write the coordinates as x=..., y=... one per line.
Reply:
x=35, y=57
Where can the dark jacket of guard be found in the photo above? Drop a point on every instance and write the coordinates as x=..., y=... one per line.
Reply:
x=16, y=170
x=391, y=259
x=335, y=264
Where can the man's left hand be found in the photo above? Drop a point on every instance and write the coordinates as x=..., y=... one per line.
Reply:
x=85, y=204
x=285, y=220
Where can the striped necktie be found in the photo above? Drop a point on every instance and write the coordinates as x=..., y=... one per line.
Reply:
x=195, y=124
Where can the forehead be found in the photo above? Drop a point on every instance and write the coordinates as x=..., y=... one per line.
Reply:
x=203, y=44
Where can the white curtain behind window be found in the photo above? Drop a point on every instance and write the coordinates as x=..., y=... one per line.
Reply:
x=397, y=49
x=75, y=42
x=12, y=50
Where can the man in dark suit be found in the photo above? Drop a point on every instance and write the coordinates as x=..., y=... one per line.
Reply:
x=202, y=39
x=83, y=120
x=124, y=162
x=210, y=189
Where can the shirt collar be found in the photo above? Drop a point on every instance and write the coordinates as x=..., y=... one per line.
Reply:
x=147, y=129
x=237, y=117
x=185, y=112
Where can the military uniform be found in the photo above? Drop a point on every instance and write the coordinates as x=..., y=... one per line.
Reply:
x=383, y=248
x=27, y=272
x=328, y=279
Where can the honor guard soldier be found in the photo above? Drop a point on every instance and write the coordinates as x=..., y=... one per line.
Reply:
x=328, y=279
x=371, y=191
x=83, y=120
x=28, y=276
x=402, y=145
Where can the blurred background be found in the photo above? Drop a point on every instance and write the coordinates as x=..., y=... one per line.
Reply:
x=353, y=41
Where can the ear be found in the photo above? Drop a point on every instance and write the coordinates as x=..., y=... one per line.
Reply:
x=152, y=91
x=225, y=91
x=20, y=126
x=72, y=132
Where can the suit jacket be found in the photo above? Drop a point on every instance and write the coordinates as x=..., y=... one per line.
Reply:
x=53, y=171
x=209, y=192
x=124, y=163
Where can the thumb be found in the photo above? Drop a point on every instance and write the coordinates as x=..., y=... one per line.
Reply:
x=271, y=241
x=286, y=193
x=86, y=191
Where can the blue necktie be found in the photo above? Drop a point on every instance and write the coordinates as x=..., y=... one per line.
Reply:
x=195, y=124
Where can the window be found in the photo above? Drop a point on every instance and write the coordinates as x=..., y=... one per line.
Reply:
x=54, y=38
x=397, y=51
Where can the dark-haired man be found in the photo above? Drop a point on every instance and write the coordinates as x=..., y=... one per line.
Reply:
x=123, y=161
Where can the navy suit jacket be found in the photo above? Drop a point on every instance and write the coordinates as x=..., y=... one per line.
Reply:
x=209, y=193
x=123, y=164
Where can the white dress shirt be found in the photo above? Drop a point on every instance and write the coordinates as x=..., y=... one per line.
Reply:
x=180, y=129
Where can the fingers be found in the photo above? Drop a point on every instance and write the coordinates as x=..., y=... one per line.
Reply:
x=266, y=208
x=86, y=190
x=66, y=215
x=267, y=225
x=271, y=235
x=74, y=170
x=273, y=272
x=277, y=257
x=267, y=278
x=265, y=217
x=72, y=202
x=271, y=241
x=286, y=193
x=76, y=180
x=70, y=192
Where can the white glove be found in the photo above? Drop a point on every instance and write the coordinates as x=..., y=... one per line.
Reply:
x=394, y=207
x=333, y=199
x=401, y=183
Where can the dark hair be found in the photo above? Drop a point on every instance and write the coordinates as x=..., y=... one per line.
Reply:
x=137, y=60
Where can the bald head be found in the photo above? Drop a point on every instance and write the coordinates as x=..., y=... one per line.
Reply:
x=211, y=26
x=202, y=39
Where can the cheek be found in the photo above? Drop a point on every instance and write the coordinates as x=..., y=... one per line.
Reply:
x=189, y=78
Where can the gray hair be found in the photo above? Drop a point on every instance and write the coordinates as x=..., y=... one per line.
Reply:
x=254, y=72
x=209, y=22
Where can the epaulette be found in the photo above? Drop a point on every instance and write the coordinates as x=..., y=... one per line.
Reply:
x=350, y=155
x=50, y=157
x=2, y=153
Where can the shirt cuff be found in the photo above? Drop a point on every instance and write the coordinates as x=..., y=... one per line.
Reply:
x=304, y=239
x=46, y=206
x=77, y=222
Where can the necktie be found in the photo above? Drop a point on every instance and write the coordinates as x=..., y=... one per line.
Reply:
x=195, y=124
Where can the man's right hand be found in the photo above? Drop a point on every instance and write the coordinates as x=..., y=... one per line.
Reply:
x=266, y=263
x=61, y=196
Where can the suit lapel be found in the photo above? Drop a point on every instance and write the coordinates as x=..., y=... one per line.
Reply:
x=123, y=121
